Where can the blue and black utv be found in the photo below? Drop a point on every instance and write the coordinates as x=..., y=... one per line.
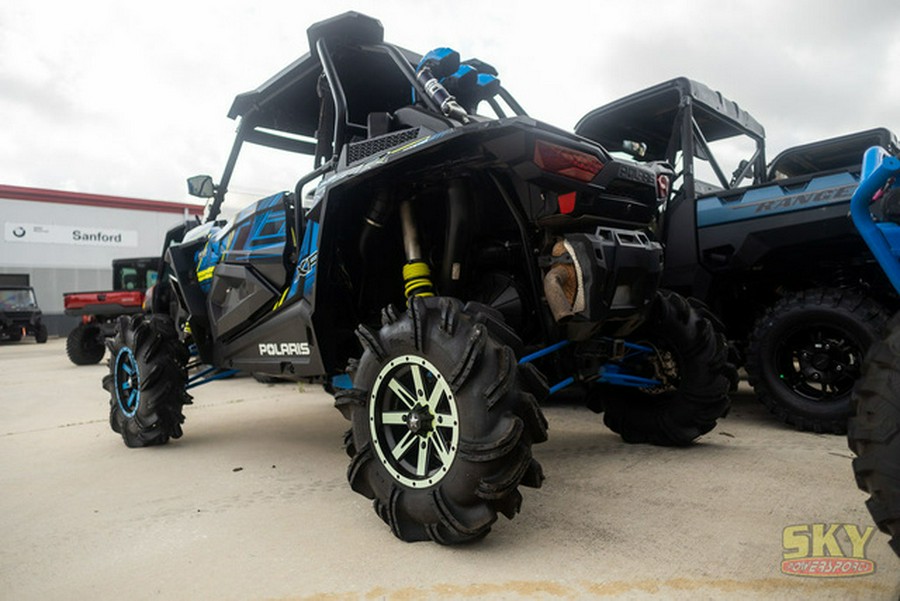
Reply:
x=769, y=248
x=874, y=432
x=456, y=254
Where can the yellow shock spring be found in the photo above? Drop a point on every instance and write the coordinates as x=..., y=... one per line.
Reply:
x=417, y=279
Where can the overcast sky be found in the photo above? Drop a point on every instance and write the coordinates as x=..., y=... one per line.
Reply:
x=130, y=98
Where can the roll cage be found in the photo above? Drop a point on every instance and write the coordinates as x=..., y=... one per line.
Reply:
x=679, y=115
x=322, y=101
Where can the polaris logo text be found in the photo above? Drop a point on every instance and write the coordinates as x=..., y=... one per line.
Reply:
x=821, y=550
x=284, y=349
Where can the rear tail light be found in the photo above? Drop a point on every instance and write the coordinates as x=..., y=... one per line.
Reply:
x=564, y=161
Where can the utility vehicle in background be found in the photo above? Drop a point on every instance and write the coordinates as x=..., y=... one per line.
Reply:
x=456, y=255
x=874, y=432
x=20, y=315
x=769, y=248
x=98, y=310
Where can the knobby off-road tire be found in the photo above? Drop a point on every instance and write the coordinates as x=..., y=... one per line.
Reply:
x=806, y=353
x=146, y=380
x=691, y=359
x=732, y=353
x=874, y=434
x=41, y=334
x=85, y=345
x=443, y=420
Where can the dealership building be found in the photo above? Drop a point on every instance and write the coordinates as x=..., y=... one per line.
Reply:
x=59, y=241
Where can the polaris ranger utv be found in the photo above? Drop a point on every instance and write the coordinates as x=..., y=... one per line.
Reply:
x=98, y=310
x=450, y=262
x=776, y=259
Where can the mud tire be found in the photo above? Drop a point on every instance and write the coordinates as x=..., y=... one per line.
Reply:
x=146, y=380
x=485, y=412
x=696, y=399
x=874, y=434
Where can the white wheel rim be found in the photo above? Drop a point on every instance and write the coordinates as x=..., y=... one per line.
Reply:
x=413, y=421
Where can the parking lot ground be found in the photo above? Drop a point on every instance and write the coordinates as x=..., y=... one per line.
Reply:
x=253, y=504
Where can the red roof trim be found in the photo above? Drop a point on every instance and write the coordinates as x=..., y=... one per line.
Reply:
x=96, y=200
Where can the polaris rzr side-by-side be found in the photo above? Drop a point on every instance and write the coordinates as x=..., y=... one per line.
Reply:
x=451, y=263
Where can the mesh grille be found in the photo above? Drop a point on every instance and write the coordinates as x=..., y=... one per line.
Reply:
x=357, y=151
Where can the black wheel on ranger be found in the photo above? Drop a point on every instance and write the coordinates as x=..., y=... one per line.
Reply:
x=805, y=355
x=443, y=420
x=41, y=334
x=874, y=434
x=690, y=360
x=146, y=380
x=85, y=345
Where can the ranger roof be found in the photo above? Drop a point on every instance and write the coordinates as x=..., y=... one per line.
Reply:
x=651, y=116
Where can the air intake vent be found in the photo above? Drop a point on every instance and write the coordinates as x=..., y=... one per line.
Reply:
x=357, y=151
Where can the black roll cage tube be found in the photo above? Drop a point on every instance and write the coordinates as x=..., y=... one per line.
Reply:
x=691, y=136
x=246, y=130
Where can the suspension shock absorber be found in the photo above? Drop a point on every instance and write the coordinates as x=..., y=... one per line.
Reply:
x=416, y=273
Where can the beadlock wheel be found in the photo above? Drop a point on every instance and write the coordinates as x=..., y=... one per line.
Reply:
x=442, y=421
x=146, y=380
x=413, y=421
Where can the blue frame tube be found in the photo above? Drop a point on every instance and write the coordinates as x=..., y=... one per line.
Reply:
x=560, y=385
x=543, y=352
x=609, y=373
x=873, y=180
x=200, y=378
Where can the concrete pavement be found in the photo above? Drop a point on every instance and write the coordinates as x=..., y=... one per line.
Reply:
x=252, y=504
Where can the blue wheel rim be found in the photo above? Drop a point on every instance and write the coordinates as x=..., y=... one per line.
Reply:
x=128, y=382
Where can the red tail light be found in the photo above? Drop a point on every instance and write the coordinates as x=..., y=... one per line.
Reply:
x=566, y=202
x=564, y=161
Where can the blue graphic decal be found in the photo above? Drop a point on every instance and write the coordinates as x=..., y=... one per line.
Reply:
x=259, y=231
x=305, y=275
x=208, y=257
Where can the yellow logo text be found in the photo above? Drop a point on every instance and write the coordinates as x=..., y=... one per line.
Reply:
x=826, y=550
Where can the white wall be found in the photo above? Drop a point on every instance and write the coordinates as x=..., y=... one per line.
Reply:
x=38, y=238
x=47, y=234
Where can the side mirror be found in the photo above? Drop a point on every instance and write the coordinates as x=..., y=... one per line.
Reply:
x=635, y=149
x=201, y=186
x=744, y=171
